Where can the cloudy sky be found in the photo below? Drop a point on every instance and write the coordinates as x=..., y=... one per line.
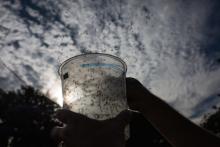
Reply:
x=171, y=46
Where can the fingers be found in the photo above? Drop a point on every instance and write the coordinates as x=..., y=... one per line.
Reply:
x=57, y=134
x=133, y=84
x=124, y=118
x=136, y=93
x=69, y=117
x=130, y=80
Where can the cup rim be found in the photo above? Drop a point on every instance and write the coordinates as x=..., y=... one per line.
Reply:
x=102, y=54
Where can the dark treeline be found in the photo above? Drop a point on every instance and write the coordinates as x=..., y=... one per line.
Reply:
x=27, y=118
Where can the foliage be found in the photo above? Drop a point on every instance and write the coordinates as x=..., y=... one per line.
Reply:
x=211, y=122
x=26, y=119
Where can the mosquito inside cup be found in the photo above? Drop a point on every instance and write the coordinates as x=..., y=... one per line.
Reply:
x=94, y=85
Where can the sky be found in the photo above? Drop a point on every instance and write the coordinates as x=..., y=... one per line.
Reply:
x=171, y=46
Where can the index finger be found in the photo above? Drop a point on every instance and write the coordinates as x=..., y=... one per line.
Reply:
x=68, y=117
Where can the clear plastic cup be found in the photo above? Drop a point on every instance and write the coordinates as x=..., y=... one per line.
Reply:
x=94, y=85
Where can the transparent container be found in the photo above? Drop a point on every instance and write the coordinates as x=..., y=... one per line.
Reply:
x=94, y=85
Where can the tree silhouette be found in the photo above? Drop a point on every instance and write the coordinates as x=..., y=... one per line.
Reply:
x=211, y=122
x=26, y=119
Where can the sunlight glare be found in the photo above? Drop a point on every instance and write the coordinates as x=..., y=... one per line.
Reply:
x=55, y=93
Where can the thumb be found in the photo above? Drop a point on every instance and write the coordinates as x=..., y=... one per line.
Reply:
x=124, y=118
x=69, y=117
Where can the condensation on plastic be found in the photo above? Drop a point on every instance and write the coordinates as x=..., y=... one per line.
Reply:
x=94, y=85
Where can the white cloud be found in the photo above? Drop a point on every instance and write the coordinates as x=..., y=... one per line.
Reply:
x=161, y=42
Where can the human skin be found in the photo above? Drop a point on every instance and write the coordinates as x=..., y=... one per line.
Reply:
x=178, y=130
x=81, y=131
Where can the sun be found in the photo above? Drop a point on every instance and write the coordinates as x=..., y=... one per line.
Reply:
x=55, y=93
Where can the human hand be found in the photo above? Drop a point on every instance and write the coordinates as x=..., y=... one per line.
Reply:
x=81, y=131
x=137, y=95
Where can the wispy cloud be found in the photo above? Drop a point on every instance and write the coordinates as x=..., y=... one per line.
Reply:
x=171, y=47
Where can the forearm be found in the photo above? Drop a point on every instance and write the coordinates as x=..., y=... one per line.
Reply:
x=178, y=130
